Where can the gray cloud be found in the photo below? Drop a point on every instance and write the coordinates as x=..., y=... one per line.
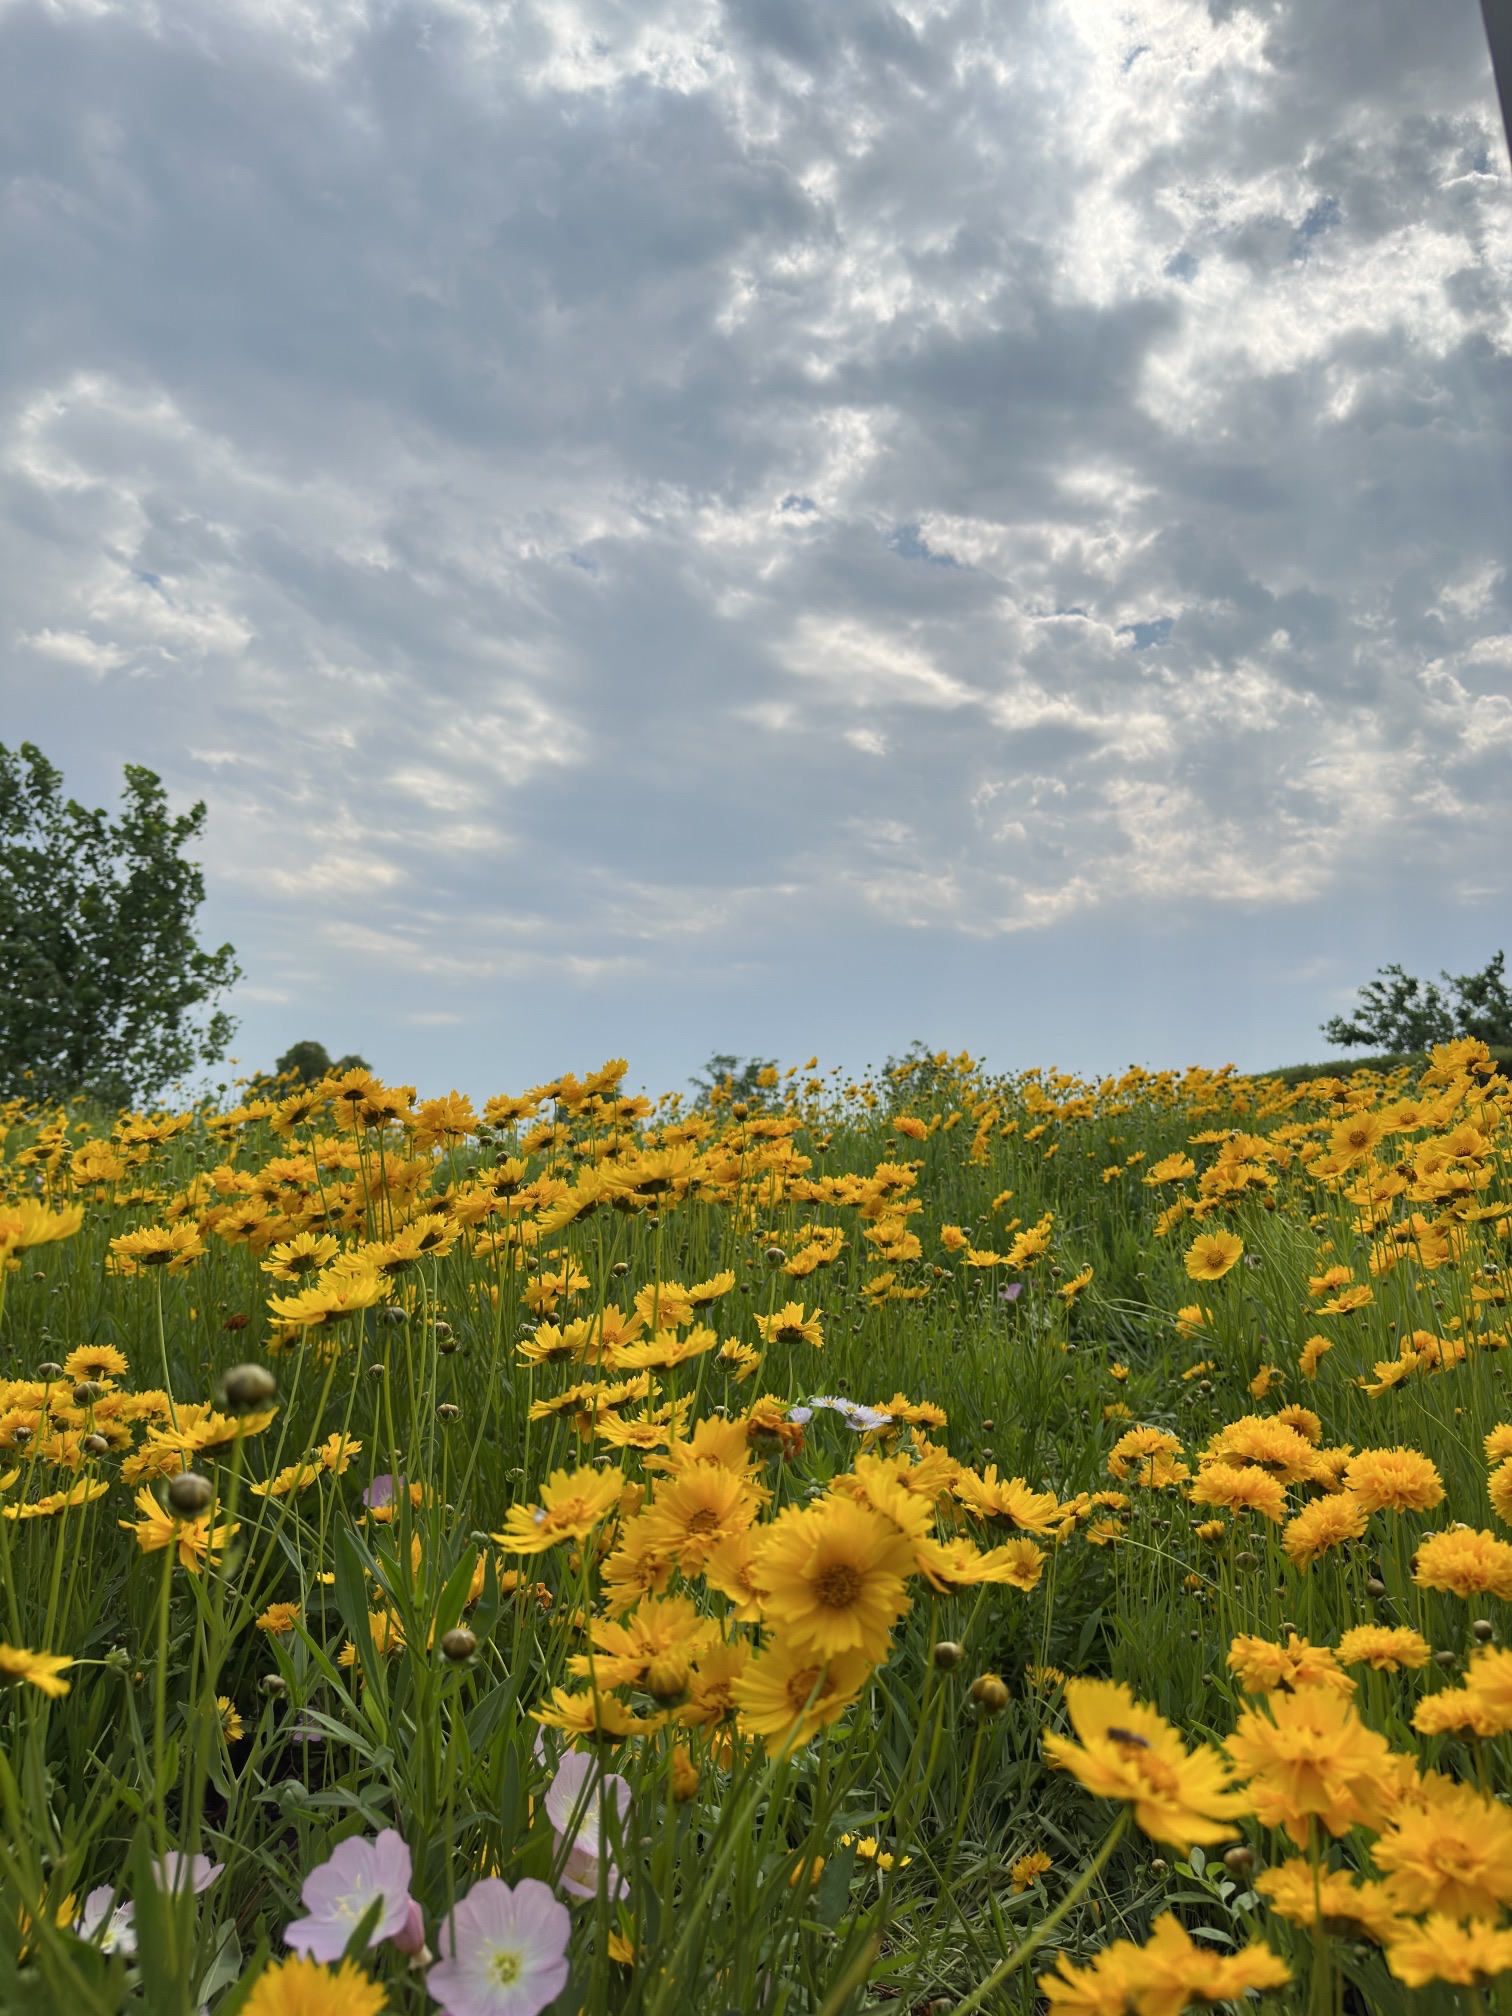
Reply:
x=666, y=525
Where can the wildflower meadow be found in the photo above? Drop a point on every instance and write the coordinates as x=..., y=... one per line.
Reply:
x=944, y=1542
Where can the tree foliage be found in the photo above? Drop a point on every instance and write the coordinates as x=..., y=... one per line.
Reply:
x=104, y=986
x=310, y=1062
x=749, y=1078
x=1398, y=1013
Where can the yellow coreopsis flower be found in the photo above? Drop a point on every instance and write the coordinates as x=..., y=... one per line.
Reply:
x=1129, y=1751
x=1441, y=1949
x=1008, y=1499
x=35, y=1669
x=1261, y=1666
x=785, y=1696
x=1348, y=1909
x=1324, y=1524
x=831, y=1578
x=1394, y=1480
x=1448, y=1849
x=1212, y=1254
x=305, y=1253
x=591, y=1714
x=279, y=1618
x=174, y=1247
x=1308, y=1755
x=346, y=1288
x=1465, y=1563
x=196, y=1540
x=302, y=1987
x=572, y=1503
x=1387, y=1648
x=95, y=1361
x=84, y=1492
x=789, y=1325
x=1171, y=1973
x=25, y=1224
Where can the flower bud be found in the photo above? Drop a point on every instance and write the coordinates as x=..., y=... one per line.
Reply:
x=1238, y=1860
x=48, y=1370
x=95, y=1445
x=667, y=1679
x=190, y=1493
x=1483, y=1630
x=1375, y=1586
x=274, y=1683
x=684, y=1776
x=775, y=1256
x=248, y=1386
x=448, y=1411
x=947, y=1654
x=989, y=1693
x=1444, y=1659
x=86, y=1391
x=458, y=1644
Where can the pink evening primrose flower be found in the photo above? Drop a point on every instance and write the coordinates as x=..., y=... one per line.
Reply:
x=339, y=1894
x=505, y=1951
x=575, y=1804
x=113, y=1930
x=179, y=1872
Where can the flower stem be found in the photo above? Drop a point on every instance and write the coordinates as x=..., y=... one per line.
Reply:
x=1072, y=1898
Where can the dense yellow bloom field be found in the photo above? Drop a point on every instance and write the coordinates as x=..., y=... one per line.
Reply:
x=942, y=1542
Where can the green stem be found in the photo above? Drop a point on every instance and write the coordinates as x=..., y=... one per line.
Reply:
x=160, y=1703
x=163, y=1350
x=1062, y=1910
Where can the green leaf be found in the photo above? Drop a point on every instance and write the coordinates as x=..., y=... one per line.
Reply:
x=239, y=1995
x=165, y=1942
x=833, y=1890
x=225, y=1965
x=453, y=1598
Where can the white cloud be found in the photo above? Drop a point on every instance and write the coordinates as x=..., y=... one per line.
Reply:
x=600, y=497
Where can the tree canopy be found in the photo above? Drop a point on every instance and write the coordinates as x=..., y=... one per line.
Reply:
x=309, y=1062
x=104, y=986
x=1397, y=1012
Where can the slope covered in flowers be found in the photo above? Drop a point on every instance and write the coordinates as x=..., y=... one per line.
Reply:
x=950, y=1542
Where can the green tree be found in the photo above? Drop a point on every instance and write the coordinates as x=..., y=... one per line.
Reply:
x=1398, y=1013
x=310, y=1062
x=733, y=1077
x=104, y=986
x=1484, y=1005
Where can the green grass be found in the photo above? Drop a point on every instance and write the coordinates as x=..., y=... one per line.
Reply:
x=134, y=1759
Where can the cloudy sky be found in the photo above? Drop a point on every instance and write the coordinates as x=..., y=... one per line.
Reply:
x=761, y=526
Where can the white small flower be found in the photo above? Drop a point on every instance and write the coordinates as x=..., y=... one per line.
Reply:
x=340, y=1892
x=861, y=1419
x=575, y=1804
x=505, y=1951
x=119, y=1935
x=178, y=1872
